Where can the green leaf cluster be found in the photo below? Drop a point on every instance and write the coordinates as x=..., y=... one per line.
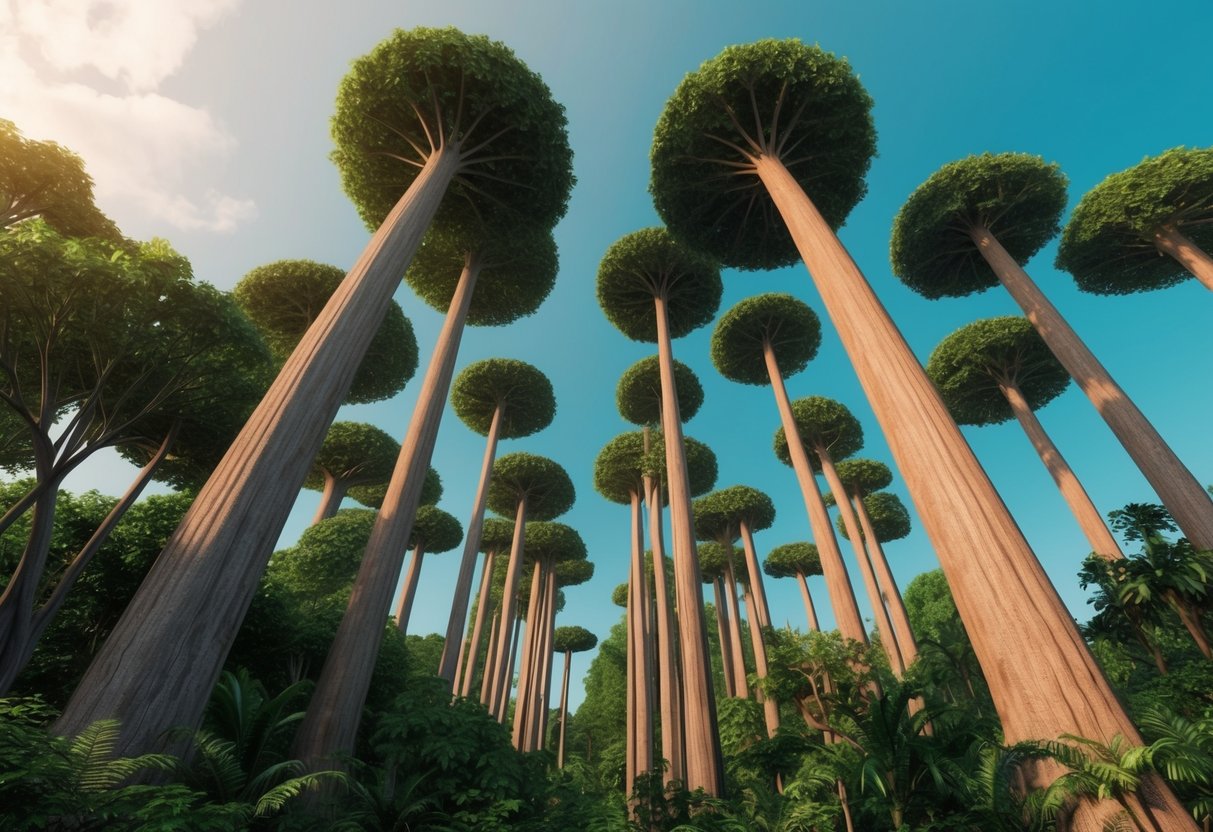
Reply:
x=545, y=485
x=792, y=559
x=496, y=535
x=864, y=475
x=372, y=495
x=574, y=572
x=787, y=324
x=437, y=530
x=354, y=453
x=553, y=542
x=821, y=421
x=523, y=393
x=619, y=468
x=889, y=516
x=719, y=515
x=638, y=394
x=714, y=558
x=325, y=559
x=573, y=639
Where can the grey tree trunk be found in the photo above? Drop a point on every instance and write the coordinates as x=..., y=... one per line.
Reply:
x=810, y=611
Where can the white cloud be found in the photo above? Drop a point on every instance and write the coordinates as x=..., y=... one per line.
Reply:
x=140, y=147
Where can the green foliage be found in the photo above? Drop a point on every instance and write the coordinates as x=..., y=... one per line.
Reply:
x=553, y=542
x=573, y=639
x=523, y=393
x=864, y=475
x=971, y=366
x=619, y=595
x=1016, y=196
x=719, y=515
x=619, y=468
x=649, y=264
x=496, y=535
x=700, y=460
x=517, y=271
x=354, y=453
x=545, y=485
x=596, y=731
x=284, y=297
x=372, y=495
x=821, y=421
x=786, y=323
x=810, y=111
x=889, y=516
x=638, y=394
x=1142, y=522
x=574, y=572
x=1108, y=244
x=946, y=659
x=436, y=530
x=1182, y=751
x=469, y=93
x=791, y=559
x=714, y=559
x=325, y=560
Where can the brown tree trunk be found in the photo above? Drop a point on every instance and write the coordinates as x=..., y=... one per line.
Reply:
x=1178, y=490
x=408, y=592
x=1076, y=497
x=755, y=573
x=888, y=585
x=501, y=681
x=471, y=548
x=530, y=648
x=705, y=768
x=724, y=636
x=888, y=639
x=1042, y=676
x=741, y=685
x=838, y=583
x=331, y=722
x=809, y=610
x=157, y=668
x=549, y=635
x=760, y=620
x=631, y=743
x=564, y=707
x=641, y=720
x=330, y=499
x=483, y=599
x=507, y=681
x=488, y=675
x=667, y=668
x=1170, y=240
x=770, y=708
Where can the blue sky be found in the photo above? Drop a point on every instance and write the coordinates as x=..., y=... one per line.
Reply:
x=207, y=123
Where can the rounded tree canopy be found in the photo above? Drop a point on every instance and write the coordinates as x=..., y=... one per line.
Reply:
x=283, y=298
x=354, y=453
x=890, y=519
x=713, y=559
x=497, y=535
x=1108, y=244
x=792, y=559
x=436, y=530
x=523, y=393
x=546, y=486
x=778, y=98
x=739, y=342
x=372, y=495
x=574, y=572
x=719, y=515
x=821, y=421
x=573, y=640
x=969, y=365
x=1016, y=196
x=638, y=394
x=553, y=542
x=424, y=88
x=701, y=464
x=619, y=595
x=864, y=475
x=619, y=468
x=326, y=558
x=647, y=264
x=517, y=271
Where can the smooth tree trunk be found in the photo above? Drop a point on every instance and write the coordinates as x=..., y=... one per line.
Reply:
x=810, y=611
x=1076, y=497
x=408, y=593
x=488, y=673
x=501, y=681
x=888, y=584
x=1170, y=240
x=641, y=721
x=522, y=703
x=1043, y=678
x=471, y=548
x=330, y=498
x=631, y=738
x=705, y=768
x=1179, y=491
x=483, y=599
x=564, y=707
x=667, y=661
x=503, y=706
x=741, y=685
x=838, y=583
x=724, y=636
x=331, y=723
x=21, y=593
x=759, y=620
x=770, y=708
x=549, y=635
x=157, y=668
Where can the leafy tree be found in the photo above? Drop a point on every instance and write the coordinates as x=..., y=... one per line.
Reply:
x=434, y=531
x=569, y=640
x=372, y=495
x=638, y=394
x=353, y=454
x=799, y=561
x=947, y=660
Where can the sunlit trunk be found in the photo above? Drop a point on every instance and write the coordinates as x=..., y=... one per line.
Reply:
x=759, y=620
x=522, y=703
x=330, y=499
x=667, y=661
x=810, y=611
x=724, y=636
x=1169, y=240
x=888, y=584
x=741, y=686
x=640, y=721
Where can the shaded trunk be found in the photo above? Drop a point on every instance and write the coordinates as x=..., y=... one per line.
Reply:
x=640, y=721
x=723, y=635
x=838, y=583
x=330, y=499
x=1170, y=240
x=483, y=601
x=509, y=593
x=549, y=635
x=157, y=668
x=17, y=602
x=630, y=744
x=471, y=548
x=331, y=722
x=1189, y=614
x=488, y=675
x=409, y=592
x=1017, y=622
x=522, y=703
x=705, y=769
x=507, y=681
x=770, y=708
x=760, y=619
x=741, y=685
x=810, y=611
x=888, y=584
x=667, y=667
x=564, y=707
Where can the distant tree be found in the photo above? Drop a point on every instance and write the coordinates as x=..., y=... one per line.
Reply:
x=372, y=496
x=434, y=531
x=353, y=454
x=569, y=640
x=496, y=535
x=799, y=561
x=717, y=561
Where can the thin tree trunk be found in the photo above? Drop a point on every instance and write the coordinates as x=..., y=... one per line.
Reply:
x=530, y=648
x=631, y=742
x=17, y=602
x=1170, y=240
x=755, y=573
x=157, y=668
x=483, y=600
x=888, y=584
x=770, y=708
x=667, y=667
x=1076, y=497
x=330, y=499
x=471, y=548
x=330, y=725
x=760, y=619
x=1017, y=622
x=810, y=611
x=641, y=723
x=549, y=635
x=1189, y=615
x=564, y=707
x=741, y=685
x=503, y=705
x=838, y=583
x=409, y=591
x=705, y=769
x=723, y=635
x=501, y=683
x=488, y=675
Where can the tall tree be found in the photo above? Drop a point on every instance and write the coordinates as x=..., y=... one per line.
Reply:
x=495, y=537
x=372, y=496
x=653, y=288
x=720, y=561
x=799, y=561
x=569, y=640
x=499, y=398
x=1147, y=227
x=421, y=146
x=712, y=568
x=434, y=532
x=353, y=454
x=779, y=128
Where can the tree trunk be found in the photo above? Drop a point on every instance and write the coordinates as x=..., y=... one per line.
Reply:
x=723, y=635
x=530, y=648
x=1089, y=519
x=888, y=585
x=1179, y=491
x=1170, y=240
x=809, y=610
x=483, y=600
x=549, y=635
x=705, y=768
x=667, y=668
x=760, y=620
x=330, y=499
x=409, y=592
x=157, y=668
x=741, y=685
x=330, y=725
x=503, y=706
x=1042, y=676
x=838, y=583
x=564, y=707
x=471, y=548
x=631, y=741
x=888, y=639
x=21, y=593
x=755, y=573
x=509, y=593
x=488, y=676
x=641, y=721
x=770, y=708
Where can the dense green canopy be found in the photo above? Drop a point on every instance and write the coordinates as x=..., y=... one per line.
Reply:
x=325, y=560
x=968, y=365
x=713, y=559
x=649, y=263
x=525, y=394
x=822, y=421
x=354, y=453
x=719, y=515
x=1018, y=197
x=496, y=535
x=546, y=486
x=638, y=394
x=619, y=595
x=701, y=463
x=553, y=542
x=790, y=559
x=619, y=468
x=574, y=572
x=865, y=475
x=739, y=342
x=573, y=640
x=517, y=273
x=424, y=87
x=815, y=117
x=890, y=519
x=372, y=495
x=436, y=530
x=1108, y=244
x=284, y=297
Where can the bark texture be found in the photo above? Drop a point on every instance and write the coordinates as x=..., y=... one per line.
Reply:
x=741, y=686
x=760, y=619
x=640, y=721
x=330, y=499
x=1170, y=240
x=724, y=636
